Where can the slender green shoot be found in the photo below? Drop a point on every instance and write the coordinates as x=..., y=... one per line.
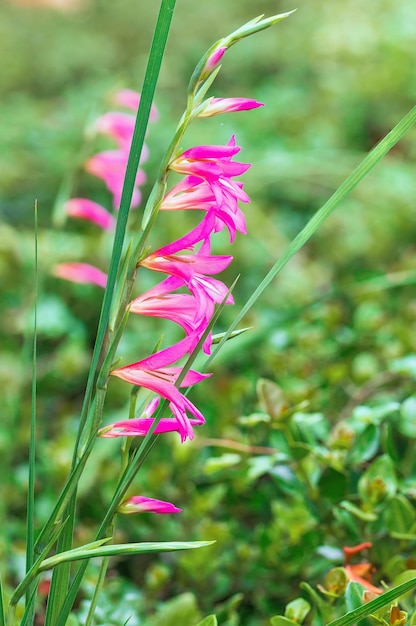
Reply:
x=366, y=165
x=30, y=515
x=356, y=615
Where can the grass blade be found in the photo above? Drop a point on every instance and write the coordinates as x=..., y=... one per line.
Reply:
x=30, y=515
x=367, y=164
x=354, y=616
x=60, y=579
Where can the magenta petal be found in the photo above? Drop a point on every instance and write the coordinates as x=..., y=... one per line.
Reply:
x=140, y=504
x=215, y=106
x=139, y=427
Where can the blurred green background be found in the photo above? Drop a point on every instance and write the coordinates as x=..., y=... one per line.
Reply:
x=334, y=78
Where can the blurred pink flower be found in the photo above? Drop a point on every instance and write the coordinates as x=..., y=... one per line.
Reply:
x=110, y=166
x=80, y=273
x=92, y=211
x=140, y=504
x=120, y=127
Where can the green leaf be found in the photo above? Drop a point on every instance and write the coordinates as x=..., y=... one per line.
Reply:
x=210, y=620
x=30, y=515
x=399, y=515
x=271, y=397
x=378, y=482
x=407, y=420
x=2, y=615
x=279, y=620
x=79, y=554
x=297, y=610
x=365, y=445
x=353, y=595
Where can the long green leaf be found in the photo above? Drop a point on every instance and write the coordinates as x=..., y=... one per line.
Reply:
x=60, y=580
x=122, y=549
x=373, y=157
x=363, y=611
x=30, y=514
x=2, y=615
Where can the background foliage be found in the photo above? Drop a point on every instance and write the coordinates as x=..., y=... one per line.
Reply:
x=283, y=477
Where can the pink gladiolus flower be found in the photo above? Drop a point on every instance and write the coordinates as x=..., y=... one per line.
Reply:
x=210, y=162
x=213, y=61
x=91, y=211
x=189, y=311
x=81, y=273
x=152, y=373
x=131, y=100
x=194, y=193
x=140, y=504
x=110, y=166
x=140, y=426
x=215, y=106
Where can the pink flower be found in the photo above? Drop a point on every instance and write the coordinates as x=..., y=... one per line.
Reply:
x=194, y=193
x=91, y=211
x=140, y=504
x=215, y=106
x=212, y=61
x=152, y=373
x=189, y=311
x=140, y=426
x=110, y=166
x=210, y=162
x=81, y=273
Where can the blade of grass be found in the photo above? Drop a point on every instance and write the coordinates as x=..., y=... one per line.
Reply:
x=354, y=616
x=60, y=579
x=2, y=615
x=30, y=514
x=367, y=164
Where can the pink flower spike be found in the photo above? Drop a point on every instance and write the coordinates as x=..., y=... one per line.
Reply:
x=215, y=106
x=131, y=100
x=81, y=273
x=140, y=504
x=91, y=211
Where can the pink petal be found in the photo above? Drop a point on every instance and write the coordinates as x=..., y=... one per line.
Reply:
x=91, y=211
x=213, y=60
x=81, y=273
x=215, y=106
x=139, y=427
x=140, y=504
